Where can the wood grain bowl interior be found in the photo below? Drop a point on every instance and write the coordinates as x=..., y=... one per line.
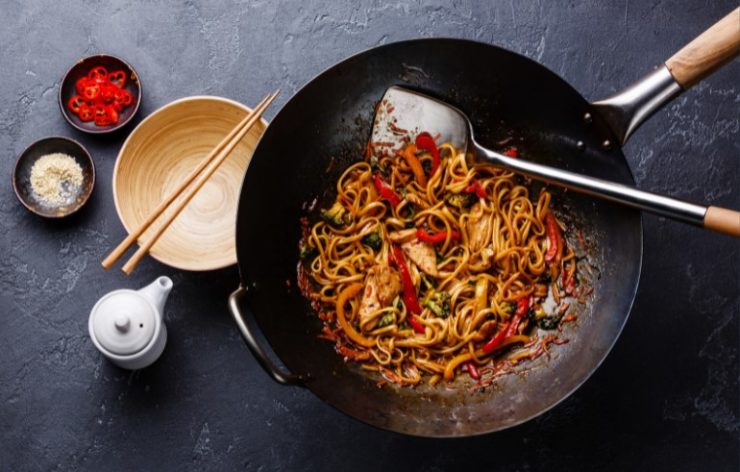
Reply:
x=159, y=154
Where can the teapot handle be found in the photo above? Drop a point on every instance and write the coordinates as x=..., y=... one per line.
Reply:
x=280, y=375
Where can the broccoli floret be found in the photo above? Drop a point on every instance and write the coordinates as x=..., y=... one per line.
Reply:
x=385, y=320
x=549, y=322
x=439, y=303
x=335, y=215
x=461, y=201
x=308, y=253
x=373, y=240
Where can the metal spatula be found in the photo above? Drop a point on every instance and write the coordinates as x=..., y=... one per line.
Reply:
x=414, y=111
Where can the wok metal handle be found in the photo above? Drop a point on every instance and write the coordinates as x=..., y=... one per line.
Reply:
x=714, y=218
x=280, y=376
x=628, y=109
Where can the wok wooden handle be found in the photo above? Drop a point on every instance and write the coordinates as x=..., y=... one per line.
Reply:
x=723, y=220
x=709, y=51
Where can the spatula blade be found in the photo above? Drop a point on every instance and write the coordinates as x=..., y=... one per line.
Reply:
x=403, y=113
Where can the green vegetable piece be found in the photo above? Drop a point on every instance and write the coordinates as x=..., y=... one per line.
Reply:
x=549, y=322
x=439, y=303
x=461, y=201
x=385, y=320
x=373, y=240
x=335, y=215
x=308, y=253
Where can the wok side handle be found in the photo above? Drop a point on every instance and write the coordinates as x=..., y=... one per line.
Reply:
x=628, y=109
x=236, y=299
x=709, y=51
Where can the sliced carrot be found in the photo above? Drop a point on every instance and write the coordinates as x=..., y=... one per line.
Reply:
x=342, y=299
x=409, y=153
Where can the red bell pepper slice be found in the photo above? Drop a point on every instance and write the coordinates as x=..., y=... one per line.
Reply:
x=477, y=189
x=409, y=291
x=553, y=234
x=426, y=142
x=472, y=370
x=569, y=282
x=511, y=152
x=438, y=237
x=386, y=191
x=522, y=306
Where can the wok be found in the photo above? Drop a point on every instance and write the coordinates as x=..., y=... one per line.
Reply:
x=324, y=128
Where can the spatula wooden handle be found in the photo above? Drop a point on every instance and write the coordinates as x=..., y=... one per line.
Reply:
x=709, y=51
x=722, y=220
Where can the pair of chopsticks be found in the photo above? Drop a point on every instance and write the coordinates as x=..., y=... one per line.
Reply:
x=210, y=163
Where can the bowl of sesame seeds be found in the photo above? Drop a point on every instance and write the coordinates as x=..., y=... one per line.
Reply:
x=54, y=177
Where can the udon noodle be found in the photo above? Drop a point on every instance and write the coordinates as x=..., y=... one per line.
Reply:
x=426, y=265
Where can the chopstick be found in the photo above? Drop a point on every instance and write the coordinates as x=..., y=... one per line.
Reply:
x=214, y=159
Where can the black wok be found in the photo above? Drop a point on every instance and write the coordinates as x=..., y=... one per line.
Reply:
x=324, y=128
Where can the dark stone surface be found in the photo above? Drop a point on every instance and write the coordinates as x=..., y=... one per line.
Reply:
x=667, y=397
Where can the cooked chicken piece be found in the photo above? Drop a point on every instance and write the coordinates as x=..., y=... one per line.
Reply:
x=479, y=228
x=485, y=331
x=422, y=255
x=382, y=286
x=482, y=260
x=403, y=236
x=416, y=200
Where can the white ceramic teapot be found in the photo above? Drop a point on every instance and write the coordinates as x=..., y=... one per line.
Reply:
x=127, y=326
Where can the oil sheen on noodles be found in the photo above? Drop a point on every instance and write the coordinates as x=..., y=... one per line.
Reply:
x=426, y=266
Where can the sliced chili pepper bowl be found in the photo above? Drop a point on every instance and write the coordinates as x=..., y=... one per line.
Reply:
x=81, y=69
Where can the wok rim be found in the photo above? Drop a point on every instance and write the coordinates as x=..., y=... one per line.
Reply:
x=640, y=228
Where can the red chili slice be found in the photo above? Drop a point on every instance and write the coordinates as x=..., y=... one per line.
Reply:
x=100, y=116
x=98, y=73
x=75, y=103
x=117, y=78
x=91, y=91
x=112, y=114
x=123, y=97
x=107, y=93
x=85, y=113
x=81, y=83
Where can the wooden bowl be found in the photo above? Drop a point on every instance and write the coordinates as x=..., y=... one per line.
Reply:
x=22, y=176
x=159, y=154
x=80, y=69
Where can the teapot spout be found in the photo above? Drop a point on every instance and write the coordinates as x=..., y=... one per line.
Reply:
x=157, y=293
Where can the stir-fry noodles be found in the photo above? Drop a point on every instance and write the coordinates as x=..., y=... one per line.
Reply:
x=426, y=265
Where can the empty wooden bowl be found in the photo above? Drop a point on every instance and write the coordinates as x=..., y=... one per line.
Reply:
x=159, y=154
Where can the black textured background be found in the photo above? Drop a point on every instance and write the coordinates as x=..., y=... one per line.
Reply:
x=667, y=397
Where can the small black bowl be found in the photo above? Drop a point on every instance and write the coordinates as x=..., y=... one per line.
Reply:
x=22, y=176
x=68, y=90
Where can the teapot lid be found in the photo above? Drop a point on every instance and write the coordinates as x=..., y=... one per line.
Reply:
x=123, y=322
